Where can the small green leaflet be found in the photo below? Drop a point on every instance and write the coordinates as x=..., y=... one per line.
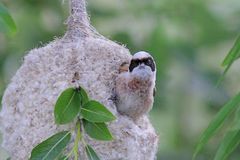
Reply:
x=83, y=94
x=52, y=147
x=67, y=106
x=217, y=122
x=7, y=24
x=92, y=155
x=233, y=55
x=0, y=101
x=94, y=111
x=230, y=141
x=97, y=131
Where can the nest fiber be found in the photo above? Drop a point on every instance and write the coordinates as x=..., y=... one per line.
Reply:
x=27, y=116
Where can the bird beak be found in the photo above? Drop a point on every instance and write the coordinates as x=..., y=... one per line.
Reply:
x=142, y=66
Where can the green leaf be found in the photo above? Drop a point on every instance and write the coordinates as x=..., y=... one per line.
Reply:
x=233, y=54
x=236, y=123
x=83, y=94
x=6, y=22
x=94, y=111
x=67, y=106
x=216, y=123
x=92, y=155
x=230, y=141
x=0, y=102
x=97, y=131
x=62, y=157
x=52, y=147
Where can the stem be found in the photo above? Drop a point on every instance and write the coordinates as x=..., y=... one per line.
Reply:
x=82, y=139
x=78, y=138
x=69, y=155
x=78, y=21
x=72, y=130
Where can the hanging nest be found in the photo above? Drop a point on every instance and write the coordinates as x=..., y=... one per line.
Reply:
x=27, y=116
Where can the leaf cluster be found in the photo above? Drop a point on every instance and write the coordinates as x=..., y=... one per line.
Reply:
x=74, y=105
x=7, y=25
x=231, y=139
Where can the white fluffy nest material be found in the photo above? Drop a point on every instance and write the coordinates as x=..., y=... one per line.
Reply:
x=28, y=103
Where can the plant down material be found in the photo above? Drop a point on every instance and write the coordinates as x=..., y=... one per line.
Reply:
x=28, y=103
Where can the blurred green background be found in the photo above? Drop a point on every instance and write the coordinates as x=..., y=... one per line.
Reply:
x=188, y=39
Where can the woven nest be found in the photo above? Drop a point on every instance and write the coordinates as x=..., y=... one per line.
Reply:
x=28, y=102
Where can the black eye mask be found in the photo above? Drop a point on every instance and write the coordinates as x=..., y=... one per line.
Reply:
x=147, y=61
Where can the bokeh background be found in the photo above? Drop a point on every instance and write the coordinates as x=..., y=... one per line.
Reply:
x=188, y=39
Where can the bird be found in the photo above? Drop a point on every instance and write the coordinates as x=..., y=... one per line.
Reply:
x=135, y=86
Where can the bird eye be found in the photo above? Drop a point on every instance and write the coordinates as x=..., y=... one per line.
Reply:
x=134, y=64
x=149, y=62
